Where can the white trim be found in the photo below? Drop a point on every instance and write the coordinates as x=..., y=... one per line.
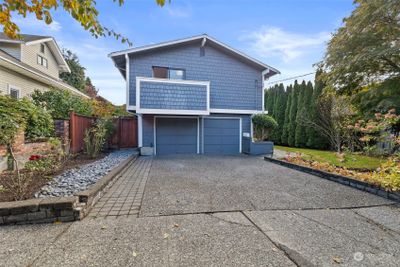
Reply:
x=202, y=135
x=229, y=118
x=130, y=108
x=64, y=85
x=127, y=81
x=175, y=117
x=140, y=130
x=234, y=111
x=13, y=87
x=203, y=36
x=39, y=41
x=171, y=111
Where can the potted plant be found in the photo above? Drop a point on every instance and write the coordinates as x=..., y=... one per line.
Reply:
x=258, y=144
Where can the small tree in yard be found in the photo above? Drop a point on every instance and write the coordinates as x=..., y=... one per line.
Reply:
x=263, y=126
x=97, y=136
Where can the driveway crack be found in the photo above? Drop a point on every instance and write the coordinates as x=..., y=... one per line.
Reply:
x=295, y=257
x=393, y=233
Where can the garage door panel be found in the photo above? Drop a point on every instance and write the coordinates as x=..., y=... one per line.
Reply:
x=176, y=136
x=221, y=136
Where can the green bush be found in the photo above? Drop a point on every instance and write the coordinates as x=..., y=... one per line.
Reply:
x=96, y=136
x=22, y=113
x=263, y=125
x=61, y=102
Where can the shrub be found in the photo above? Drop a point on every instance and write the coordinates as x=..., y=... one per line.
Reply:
x=263, y=125
x=41, y=164
x=61, y=102
x=96, y=137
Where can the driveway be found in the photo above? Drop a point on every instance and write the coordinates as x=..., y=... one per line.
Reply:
x=217, y=211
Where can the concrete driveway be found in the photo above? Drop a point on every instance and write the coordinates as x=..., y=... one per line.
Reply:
x=218, y=211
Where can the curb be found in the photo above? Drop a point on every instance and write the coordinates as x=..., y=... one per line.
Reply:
x=360, y=185
x=60, y=209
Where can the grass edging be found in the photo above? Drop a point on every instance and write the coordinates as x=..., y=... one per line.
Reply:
x=89, y=197
x=360, y=185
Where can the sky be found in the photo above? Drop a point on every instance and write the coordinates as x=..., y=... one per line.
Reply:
x=290, y=35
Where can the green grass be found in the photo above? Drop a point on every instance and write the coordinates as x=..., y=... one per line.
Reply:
x=352, y=161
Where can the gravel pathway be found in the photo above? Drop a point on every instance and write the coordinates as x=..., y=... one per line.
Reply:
x=80, y=178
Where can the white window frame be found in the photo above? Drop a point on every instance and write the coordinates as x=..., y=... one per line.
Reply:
x=223, y=118
x=42, y=59
x=13, y=87
x=176, y=117
x=171, y=111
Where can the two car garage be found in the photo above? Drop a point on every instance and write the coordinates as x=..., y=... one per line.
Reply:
x=191, y=135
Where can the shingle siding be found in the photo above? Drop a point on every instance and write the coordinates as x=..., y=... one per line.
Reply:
x=233, y=84
x=155, y=95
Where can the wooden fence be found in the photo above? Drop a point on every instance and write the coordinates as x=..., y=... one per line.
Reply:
x=124, y=136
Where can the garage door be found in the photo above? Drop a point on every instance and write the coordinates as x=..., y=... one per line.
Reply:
x=176, y=136
x=221, y=136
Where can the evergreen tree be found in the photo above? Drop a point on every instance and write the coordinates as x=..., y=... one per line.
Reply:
x=76, y=77
x=285, y=131
x=270, y=99
x=279, y=113
x=292, y=114
x=300, y=134
x=307, y=110
x=315, y=139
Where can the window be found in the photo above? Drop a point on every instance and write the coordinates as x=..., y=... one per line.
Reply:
x=13, y=91
x=42, y=61
x=168, y=73
x=42, y=48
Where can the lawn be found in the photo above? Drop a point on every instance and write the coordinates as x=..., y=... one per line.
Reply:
x=352, y=161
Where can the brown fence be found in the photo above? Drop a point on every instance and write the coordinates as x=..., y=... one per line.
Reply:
x=77, y=127
x=125, y=134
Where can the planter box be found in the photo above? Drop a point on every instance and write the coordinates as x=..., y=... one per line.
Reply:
x=257, y=148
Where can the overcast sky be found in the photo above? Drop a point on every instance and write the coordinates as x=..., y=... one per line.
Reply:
x=289, y=35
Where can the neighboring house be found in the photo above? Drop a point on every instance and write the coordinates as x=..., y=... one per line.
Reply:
x=31, y=63
x=194, y=95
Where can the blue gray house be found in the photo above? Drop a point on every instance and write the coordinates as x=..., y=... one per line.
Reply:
x=193, y=95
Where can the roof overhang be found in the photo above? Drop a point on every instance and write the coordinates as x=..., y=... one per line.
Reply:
x=56, y=51
x=35, y=75
x=119, y=56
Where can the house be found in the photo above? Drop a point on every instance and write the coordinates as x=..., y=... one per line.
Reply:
x=193, y=95
x=31, y=63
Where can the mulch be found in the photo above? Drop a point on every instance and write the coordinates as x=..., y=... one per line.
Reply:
x=39, y=180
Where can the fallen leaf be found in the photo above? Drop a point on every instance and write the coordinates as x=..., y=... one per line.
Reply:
x=337, y=260
x=134, y=254
x=166, y=235
x=103, y=227
x=176, y=225
x=275, y=249
x=58, y=222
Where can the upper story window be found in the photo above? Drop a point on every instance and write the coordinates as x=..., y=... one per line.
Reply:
x=42, y=48
x=42, y=61
x=13, y=91
x=168, y=73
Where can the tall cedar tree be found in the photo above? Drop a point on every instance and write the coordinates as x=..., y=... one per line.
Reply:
x=300, y=138
x=315, y=139
x=77, y=77
x=285, y=131
x=307, y=109
x=293, y=113
x=279, y=113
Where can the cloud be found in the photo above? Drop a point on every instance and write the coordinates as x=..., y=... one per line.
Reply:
x=178, y=12
x=31, y=22
x=288, y=46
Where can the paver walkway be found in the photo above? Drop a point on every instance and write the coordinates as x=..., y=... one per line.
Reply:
x=125, y=195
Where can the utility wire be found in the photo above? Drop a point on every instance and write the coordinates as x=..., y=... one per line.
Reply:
x=291, y=78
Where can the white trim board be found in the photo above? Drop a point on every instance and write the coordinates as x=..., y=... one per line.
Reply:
x=235, y=111
x=175, y=117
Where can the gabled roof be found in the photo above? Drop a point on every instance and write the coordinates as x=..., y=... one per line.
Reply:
x=16, y=65
x=29, y=39
x=202, y=39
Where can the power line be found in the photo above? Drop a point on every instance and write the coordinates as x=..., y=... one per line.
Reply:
x=291, y=78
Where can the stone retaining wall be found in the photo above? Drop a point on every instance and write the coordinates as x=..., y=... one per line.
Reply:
x=59, y=209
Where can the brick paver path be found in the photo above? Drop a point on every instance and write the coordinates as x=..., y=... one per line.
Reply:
x=125, y=195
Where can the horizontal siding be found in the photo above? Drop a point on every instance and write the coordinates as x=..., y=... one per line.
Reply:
x=26, y=85
x=29, y=56
x=233, y=84
x=154, y=95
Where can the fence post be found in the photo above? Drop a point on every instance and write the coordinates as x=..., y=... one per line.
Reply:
x=72, y=131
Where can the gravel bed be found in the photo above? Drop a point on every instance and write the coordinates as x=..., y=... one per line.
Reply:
x=79, y=179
